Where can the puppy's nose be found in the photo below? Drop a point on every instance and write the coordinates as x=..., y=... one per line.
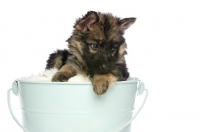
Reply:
x=104, y=67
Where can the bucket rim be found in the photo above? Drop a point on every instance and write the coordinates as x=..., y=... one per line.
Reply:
x=128, y=81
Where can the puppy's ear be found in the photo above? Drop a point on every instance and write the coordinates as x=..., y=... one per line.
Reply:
x=84, y=23
x=126, y=23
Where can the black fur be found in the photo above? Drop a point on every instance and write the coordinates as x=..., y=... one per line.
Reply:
x=62, y=54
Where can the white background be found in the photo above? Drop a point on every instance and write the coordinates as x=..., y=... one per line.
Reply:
x=163, y=50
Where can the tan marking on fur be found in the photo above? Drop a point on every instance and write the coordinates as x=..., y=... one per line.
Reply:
x=97, y=32
x=64, y=74
x=78, y=68
x=78, y=45
x=122, y=49
x=68, y=68
x=91, y=41
x=113, y=34
x=78, y=53
x=121, y=60
x=109, y=77
x=58, y=62
x=102, y=82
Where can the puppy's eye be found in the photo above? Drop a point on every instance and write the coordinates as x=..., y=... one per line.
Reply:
x=94, y=46
x=113, y=49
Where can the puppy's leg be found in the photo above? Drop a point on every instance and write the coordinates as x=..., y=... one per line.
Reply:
x=101, y=82
x=63, y=75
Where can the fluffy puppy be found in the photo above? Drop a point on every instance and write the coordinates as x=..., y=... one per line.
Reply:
x=96, y=50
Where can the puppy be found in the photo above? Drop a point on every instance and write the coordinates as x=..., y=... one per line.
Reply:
x=96, y=50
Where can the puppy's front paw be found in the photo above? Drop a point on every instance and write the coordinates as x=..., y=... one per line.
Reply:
x=100, y=86
x=60, y=77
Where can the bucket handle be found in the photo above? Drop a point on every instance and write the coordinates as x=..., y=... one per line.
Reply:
x=141, y=89
x=15, y=91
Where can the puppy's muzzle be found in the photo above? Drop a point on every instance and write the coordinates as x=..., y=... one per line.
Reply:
x=104, y=67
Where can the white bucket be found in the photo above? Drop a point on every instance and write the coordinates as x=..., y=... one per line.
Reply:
x=74, y=107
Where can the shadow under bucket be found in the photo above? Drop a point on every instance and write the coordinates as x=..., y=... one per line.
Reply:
x=74, y=107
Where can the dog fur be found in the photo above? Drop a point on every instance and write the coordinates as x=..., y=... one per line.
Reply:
x=96, y=50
